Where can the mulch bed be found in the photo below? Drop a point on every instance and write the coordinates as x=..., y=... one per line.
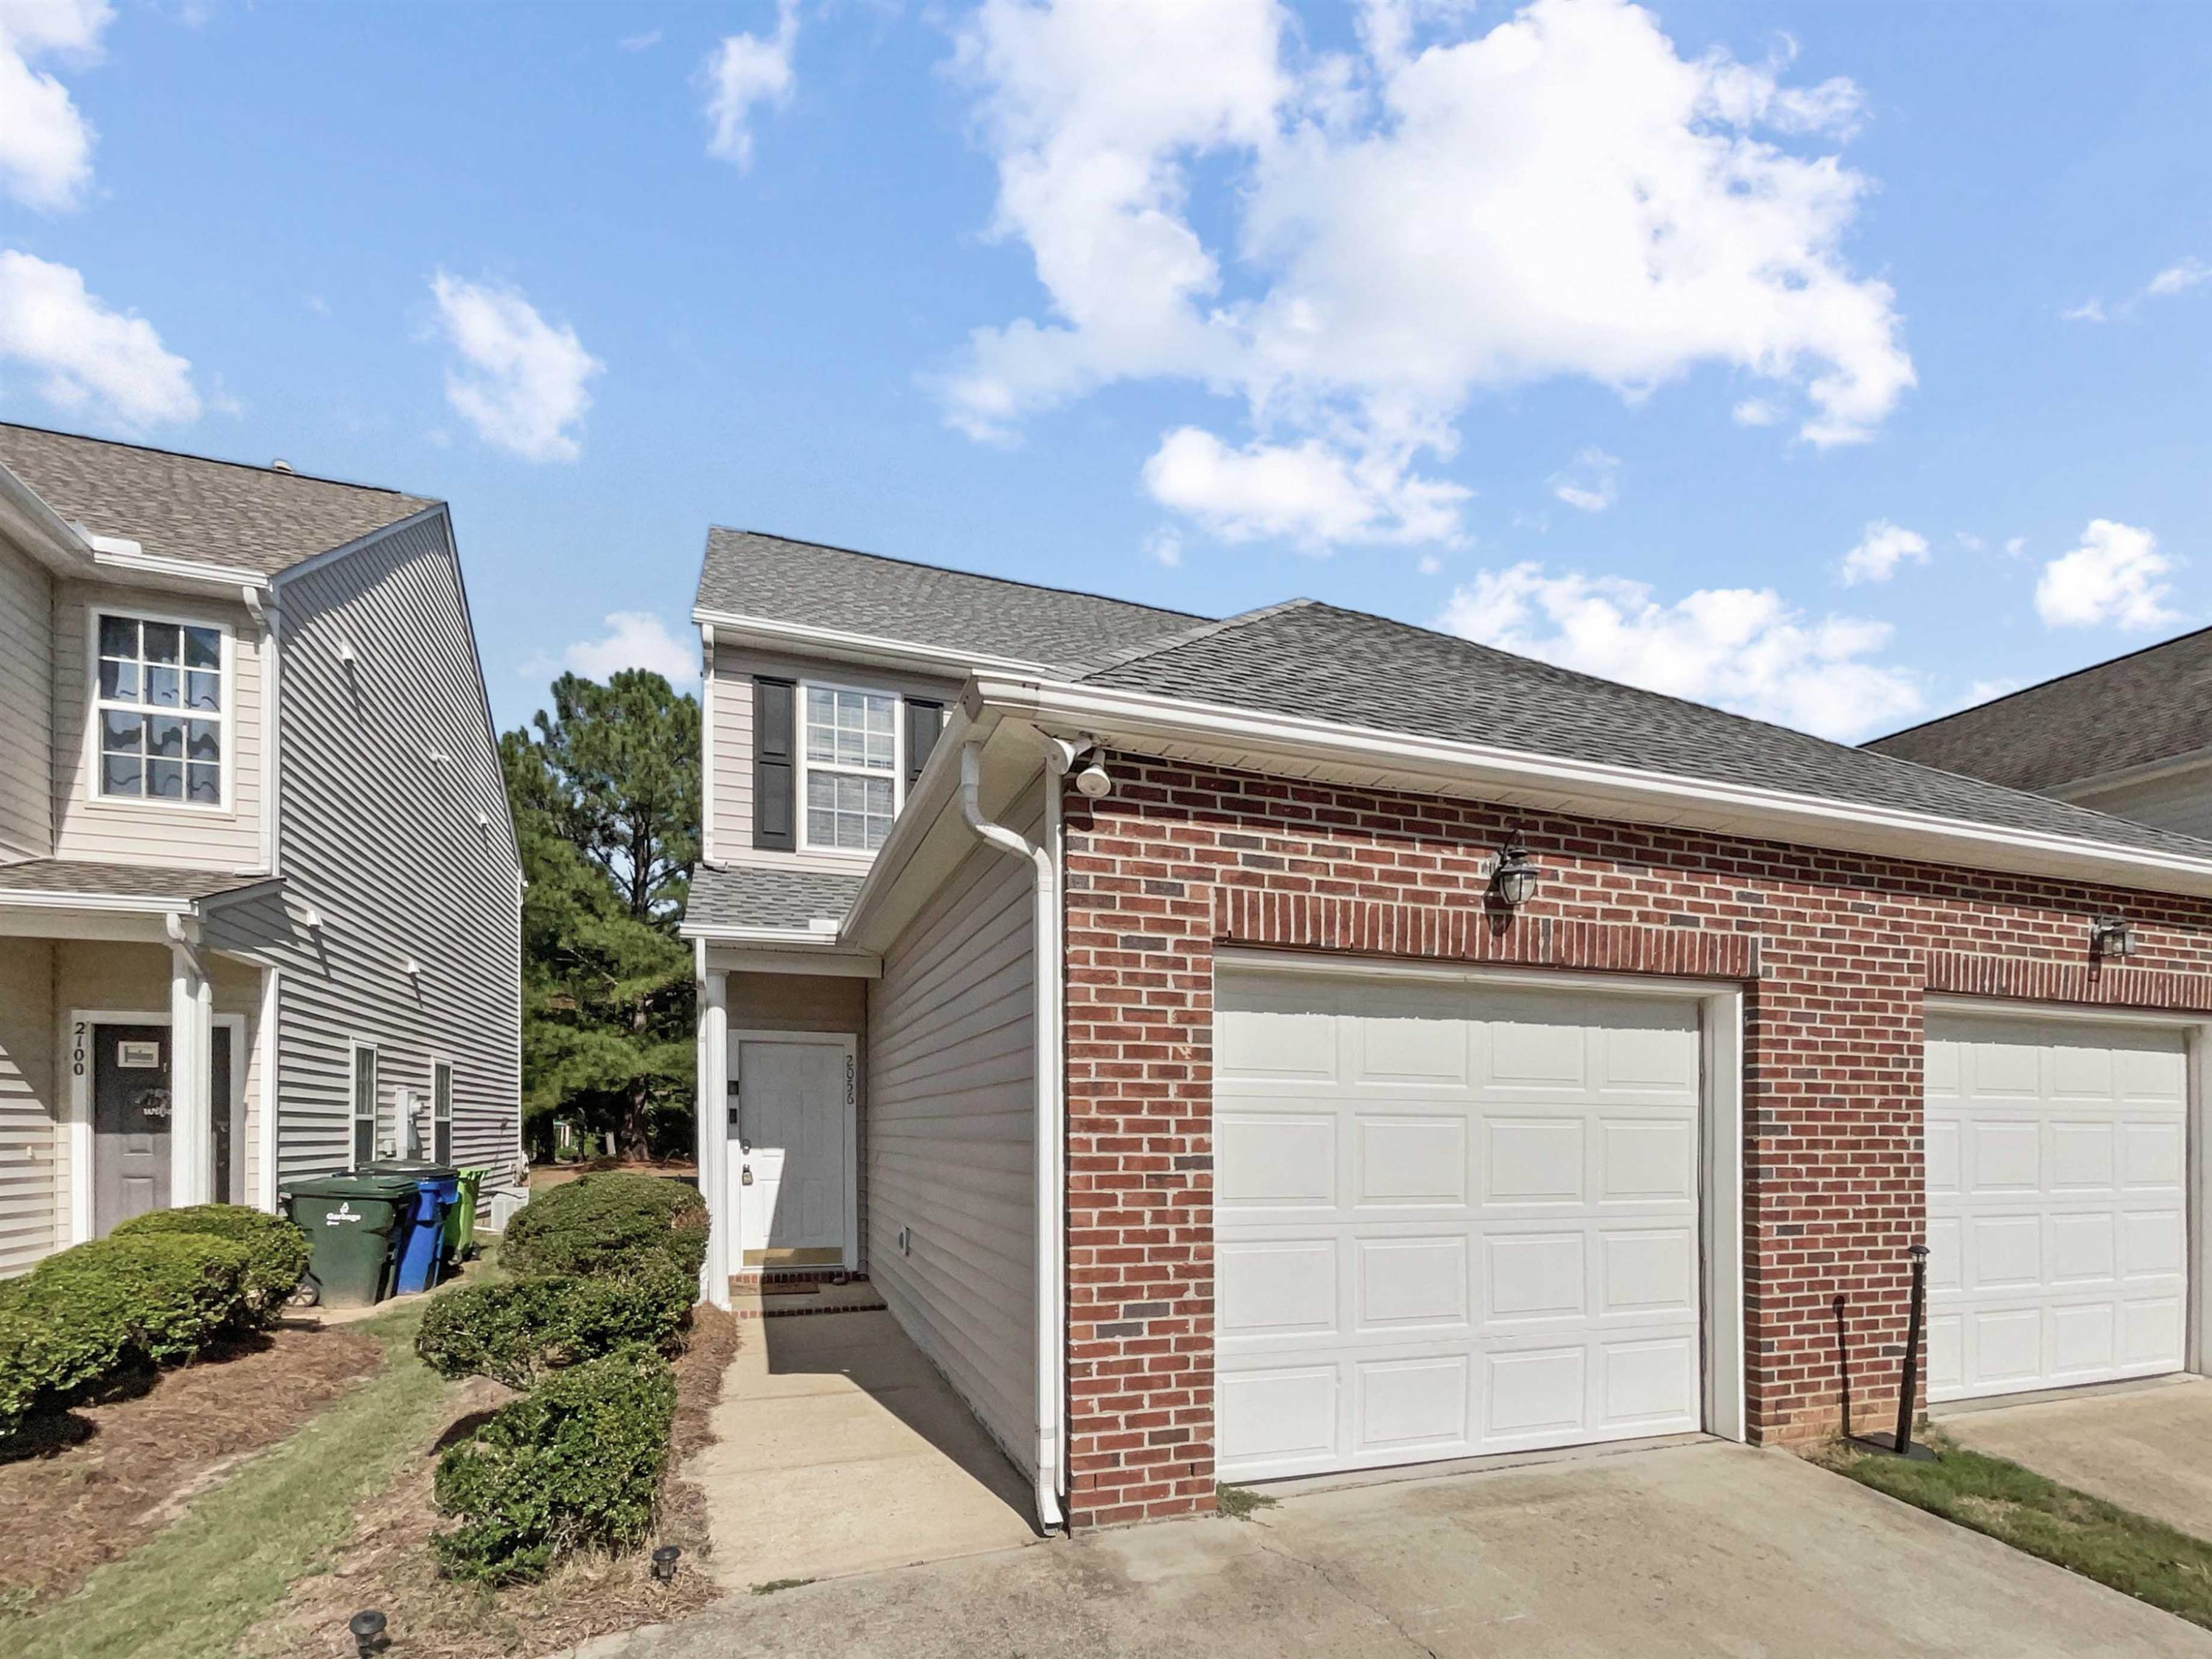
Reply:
x=81, y=1487
x=388, y=1564
x=543, y=1176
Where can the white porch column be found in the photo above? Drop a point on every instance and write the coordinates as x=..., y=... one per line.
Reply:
x=192, y=1127
x=713, y=1115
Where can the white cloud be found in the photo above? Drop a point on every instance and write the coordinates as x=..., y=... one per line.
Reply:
x=2089, y=311
x=743, y=70
x=520, y=381
x=1593, y=484
x=45, y=143
x=1165, y=545
x=634, y=639
x=639, y=42
x=1397, y=243
x=86, y=357
x=2113, y=577
x=1880, y=549
x=2179, y=278
x=1309, y=492
x=1756, y=411
x=1431, y=565
x=1743, y=649
x=2016, y=545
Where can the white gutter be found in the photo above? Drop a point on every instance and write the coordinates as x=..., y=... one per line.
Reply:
x=1050, y=1137
x=144, y=904
x=732, y=628
x=116, y=553
x=1398, y=760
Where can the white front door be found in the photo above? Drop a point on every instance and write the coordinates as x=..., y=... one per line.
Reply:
x=2057, y=1203
x=791, y=1169
x=1451, y=1219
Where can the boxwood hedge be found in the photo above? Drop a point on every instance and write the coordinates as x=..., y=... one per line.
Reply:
x=518, y=1330
x=611, y=1222
x=276, y=1250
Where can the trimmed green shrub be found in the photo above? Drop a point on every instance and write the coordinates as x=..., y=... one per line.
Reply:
x=611, y=1222
x=517, y=1331
x=573, y=1463
x=276, y=1250
x=81, y=1317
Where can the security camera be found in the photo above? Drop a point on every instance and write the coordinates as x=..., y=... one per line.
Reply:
x=1092, y=783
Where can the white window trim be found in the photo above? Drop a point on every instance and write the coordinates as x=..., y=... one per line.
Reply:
x=896, y=774
x=225, y=715
x=440, y=1063
x=353, y=1101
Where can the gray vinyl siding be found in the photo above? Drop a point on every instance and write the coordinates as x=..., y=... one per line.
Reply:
x=384, y=770
x=2180, y=800
x=34, y=1199
x=142, y=832
x=730, y=751
x=26, y=671
x=950, y=1133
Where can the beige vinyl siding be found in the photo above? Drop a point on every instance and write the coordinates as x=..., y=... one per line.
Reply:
x=384, y=771
x=2180, y=800
x=34, y=1196
x=731, y=752
x=27, y=697
x=138, y=832
x=951, y=1135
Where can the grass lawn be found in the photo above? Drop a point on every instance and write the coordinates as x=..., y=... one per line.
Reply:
x=193, y=1589
x=2141, y=1558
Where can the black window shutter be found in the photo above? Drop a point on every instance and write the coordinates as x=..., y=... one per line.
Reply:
x=774, y=774
x=924, y=720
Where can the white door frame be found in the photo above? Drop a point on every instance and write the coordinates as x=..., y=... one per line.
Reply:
x=1722, y=1361
x=81, y=1141
x=2196, y=1032
x=849, y=1043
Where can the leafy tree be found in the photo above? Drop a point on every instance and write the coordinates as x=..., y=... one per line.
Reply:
x=606, y=793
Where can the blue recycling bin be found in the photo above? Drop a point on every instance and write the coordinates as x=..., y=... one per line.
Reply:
x=437, y=1189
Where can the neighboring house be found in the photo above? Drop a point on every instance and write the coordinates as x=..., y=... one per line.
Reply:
x=2132, y=737
x=256, y=872
x=1305, y=1042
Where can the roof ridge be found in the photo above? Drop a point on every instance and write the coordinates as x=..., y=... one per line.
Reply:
x=945, y=570
x=1129, y=654
x=2021, y=692
x=216, y=460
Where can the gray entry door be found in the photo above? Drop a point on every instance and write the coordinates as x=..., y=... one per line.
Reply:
x=130, y=1122
x=219, y=1103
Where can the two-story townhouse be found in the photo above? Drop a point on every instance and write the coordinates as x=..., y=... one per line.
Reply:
x=258, y=877
x=1304, y=1042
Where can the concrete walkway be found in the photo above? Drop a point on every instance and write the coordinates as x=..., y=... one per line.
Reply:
x=1702, y=1550
x=2145, y=1447
x=839, y=1450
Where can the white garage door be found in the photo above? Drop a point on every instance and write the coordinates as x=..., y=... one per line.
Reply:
x=2057, y=1210
x=1449, y=1220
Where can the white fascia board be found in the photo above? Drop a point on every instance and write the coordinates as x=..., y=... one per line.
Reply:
x=724, y=957
x=128, y=903
x=1252, y=740
x=27, y=520
x=112, y=554
x=769, y=632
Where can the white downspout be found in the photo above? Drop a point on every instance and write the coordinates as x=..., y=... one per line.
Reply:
x=1049, y=1160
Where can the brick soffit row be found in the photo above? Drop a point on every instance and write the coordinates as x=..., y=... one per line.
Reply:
x=1302, y=921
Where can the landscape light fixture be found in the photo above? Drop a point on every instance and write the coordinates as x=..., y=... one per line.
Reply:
x=2111, y=936
x=1514, y=876
x=366, y=1629
x=663, y=1562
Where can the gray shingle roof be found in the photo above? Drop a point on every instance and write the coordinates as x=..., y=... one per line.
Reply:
x=2147, y=706
x=1319, y=662
x=749, y=573
x=64, y=877
x=187, y=507
x=751, y=895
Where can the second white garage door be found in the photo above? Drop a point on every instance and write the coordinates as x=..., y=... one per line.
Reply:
x=2057, y=1208
x=1451, y=1219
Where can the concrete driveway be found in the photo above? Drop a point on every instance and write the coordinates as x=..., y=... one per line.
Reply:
x=1702, y=1550
x=2147, y=1447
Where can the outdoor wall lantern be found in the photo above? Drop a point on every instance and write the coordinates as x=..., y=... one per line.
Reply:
x=1513, y=877
x=2111, y=936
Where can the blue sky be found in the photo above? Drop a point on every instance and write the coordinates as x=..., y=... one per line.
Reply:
x=1836, y=363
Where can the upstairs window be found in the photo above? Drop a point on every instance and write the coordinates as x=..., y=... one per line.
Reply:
x=160, y=705
x=850, y=751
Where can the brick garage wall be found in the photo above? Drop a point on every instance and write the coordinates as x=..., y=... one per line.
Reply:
x=1835, y=950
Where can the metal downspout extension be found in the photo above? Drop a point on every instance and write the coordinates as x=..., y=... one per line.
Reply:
x=1049, y=1160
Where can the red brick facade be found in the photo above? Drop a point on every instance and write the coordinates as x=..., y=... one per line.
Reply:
x=1836, y=951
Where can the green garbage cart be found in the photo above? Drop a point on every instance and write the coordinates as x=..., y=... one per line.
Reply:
x=461, y=1219
x=352, y=1221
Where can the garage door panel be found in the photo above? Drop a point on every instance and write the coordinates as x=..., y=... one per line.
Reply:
x=1514, y=1242
x=2059, y=1257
